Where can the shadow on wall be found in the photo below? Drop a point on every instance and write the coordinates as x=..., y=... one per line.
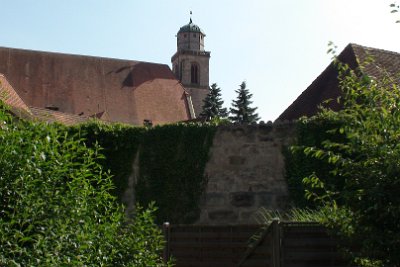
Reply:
x=142, y=72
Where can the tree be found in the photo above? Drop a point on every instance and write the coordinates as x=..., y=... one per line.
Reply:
x=213, y=102
x=241, y=110
x=361, y=188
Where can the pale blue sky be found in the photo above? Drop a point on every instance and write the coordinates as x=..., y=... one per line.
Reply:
x=278, y=47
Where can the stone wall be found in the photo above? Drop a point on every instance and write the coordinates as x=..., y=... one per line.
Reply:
x=245, y=172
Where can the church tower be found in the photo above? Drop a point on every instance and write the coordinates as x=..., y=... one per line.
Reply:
x=190, y=64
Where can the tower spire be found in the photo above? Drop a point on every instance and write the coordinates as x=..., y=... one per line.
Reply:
x=191, y=16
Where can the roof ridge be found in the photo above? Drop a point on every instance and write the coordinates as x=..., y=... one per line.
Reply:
x=81, y=55
x=373, y=48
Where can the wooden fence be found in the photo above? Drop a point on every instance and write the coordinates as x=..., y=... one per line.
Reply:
x=282, y=244
x=201, y=245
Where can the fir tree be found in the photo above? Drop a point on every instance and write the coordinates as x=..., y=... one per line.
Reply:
x=241, y=111
x=212, y=107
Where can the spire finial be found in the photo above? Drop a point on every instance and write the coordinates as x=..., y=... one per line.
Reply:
x=191, y=16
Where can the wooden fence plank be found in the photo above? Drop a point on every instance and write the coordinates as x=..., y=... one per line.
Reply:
x=283, y=244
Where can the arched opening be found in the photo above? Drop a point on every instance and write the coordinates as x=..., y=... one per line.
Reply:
x=194, y=73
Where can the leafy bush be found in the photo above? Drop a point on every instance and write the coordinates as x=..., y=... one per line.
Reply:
x=365, y=163
x=119, y=144
x=55, y=205
x=311, y=132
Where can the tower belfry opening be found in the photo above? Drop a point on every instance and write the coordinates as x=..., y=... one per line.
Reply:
x=190, y=63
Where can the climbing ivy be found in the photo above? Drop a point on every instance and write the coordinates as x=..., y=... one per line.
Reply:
x=119, y=144
x=309, y=132
x=172, y=160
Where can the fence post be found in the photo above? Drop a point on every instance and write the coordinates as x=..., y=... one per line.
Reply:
x=276, y=244
x=166, y=232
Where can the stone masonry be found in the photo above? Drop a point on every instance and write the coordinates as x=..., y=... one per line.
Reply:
x=245, y=172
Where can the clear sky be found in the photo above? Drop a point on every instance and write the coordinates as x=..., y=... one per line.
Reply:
x=277, y=47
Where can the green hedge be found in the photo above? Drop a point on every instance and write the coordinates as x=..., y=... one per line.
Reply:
x=55, y=203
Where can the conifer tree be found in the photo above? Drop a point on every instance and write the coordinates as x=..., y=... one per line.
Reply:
x=212, y=107
x=241, y=112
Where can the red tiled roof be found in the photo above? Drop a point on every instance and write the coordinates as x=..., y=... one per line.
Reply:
x=126, y=91
x=51, y=116
x=11, y=98
x=326, y=85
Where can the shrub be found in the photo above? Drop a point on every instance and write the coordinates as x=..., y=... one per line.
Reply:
x=55, y=204
x=364, y=208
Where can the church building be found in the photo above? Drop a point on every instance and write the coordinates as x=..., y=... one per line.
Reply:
x=70, y=89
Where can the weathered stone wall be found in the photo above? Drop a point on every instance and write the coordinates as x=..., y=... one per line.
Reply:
x=245, y=172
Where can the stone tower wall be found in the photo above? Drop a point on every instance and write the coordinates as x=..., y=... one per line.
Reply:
x=190, y=41
x=197, y=91
x=203, y=63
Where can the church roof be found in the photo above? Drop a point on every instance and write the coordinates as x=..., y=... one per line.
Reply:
x=11, y=98
x=326, y=85
x=47, y=115
x=191, y=27
x=125, y=91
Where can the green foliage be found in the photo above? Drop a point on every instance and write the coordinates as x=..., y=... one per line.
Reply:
x=241, y=112
x=55, y=205
x=311, y=132
x=361, y=183
x=266, y=216
x=172, y=163
x=119, y=144
x=212, y=107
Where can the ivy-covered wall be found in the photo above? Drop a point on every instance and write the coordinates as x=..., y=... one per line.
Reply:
x=171, y=163
x=118, y=143
x=310, y=132
x=224, y=173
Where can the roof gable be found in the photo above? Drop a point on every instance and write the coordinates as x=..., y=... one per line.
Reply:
x=326, y=85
